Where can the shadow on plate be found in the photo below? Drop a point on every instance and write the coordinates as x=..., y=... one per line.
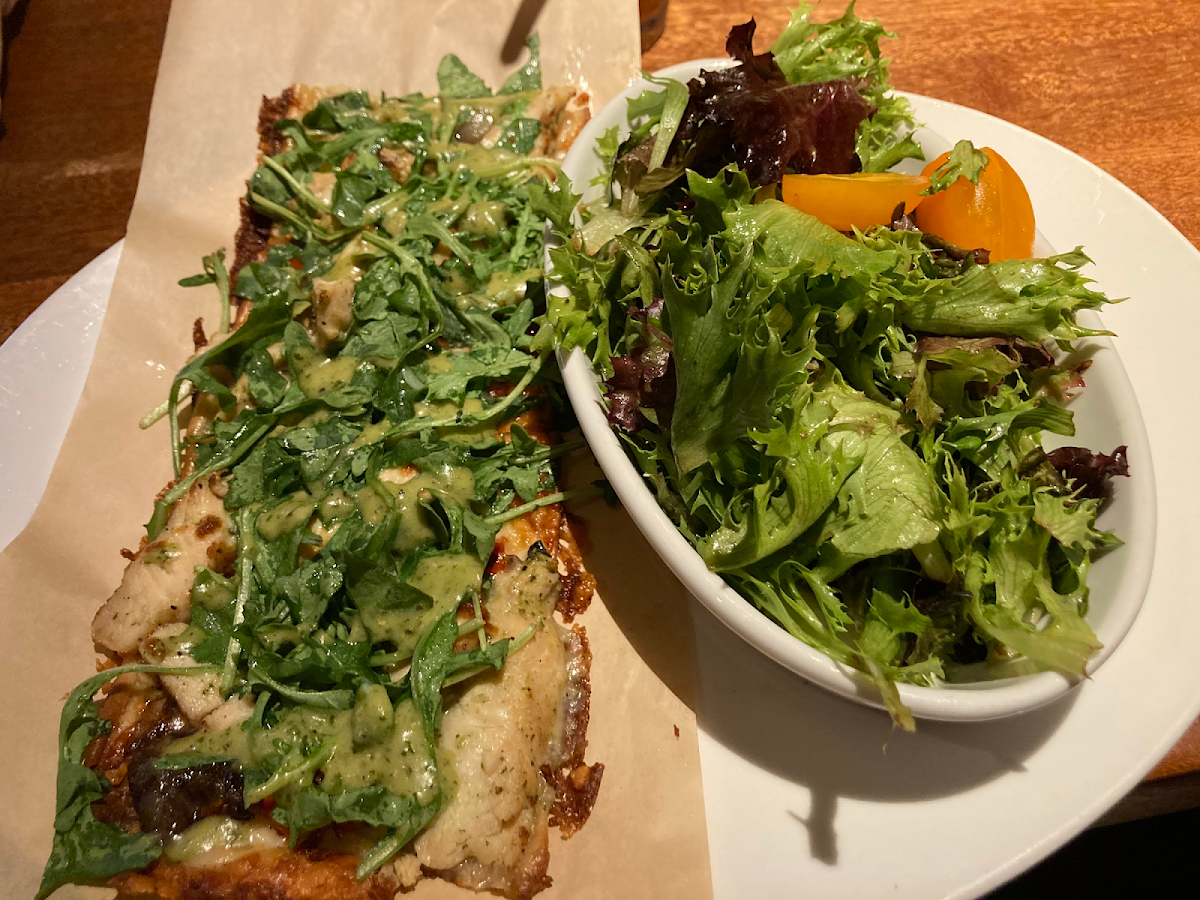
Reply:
x=772, y=717
x=779, y=722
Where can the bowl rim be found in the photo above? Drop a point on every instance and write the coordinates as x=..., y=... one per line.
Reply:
x=964, y=702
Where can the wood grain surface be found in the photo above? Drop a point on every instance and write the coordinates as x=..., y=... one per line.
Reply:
x=78, y=79
x=1113, y=80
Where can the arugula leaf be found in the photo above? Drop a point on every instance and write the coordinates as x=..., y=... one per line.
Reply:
x=489, y=363
x=390, y=607
x=313, y=808
x=177, y=762
x=213, y=600
x=339, y=113
x=309, y=589
x=456, y=80
x=520, y=135
x=529, y=76
x=271, y=309
x=214, y=273
x=430, y=665
x=250, y=430
x=391, y=337
x=351, y=195
x=267, y=386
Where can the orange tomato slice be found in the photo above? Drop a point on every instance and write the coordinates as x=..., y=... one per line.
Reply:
x=995, y=213
x=853, y=201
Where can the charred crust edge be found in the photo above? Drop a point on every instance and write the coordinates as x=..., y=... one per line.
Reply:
x=578, y=713
x=576, y=785
x=287, y=875
x=575, y=792
x=254, y=229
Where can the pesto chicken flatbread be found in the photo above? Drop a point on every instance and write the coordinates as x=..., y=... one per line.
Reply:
x=341, y=658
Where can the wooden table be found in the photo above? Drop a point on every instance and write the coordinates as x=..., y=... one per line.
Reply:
x=80, y=75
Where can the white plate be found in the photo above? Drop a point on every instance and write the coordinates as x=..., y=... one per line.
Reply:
x=43, y=365
x=808, y=795
x=1106, y=416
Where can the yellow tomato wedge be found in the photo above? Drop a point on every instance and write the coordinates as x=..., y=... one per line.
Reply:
x=995, y=213
x=853, y=201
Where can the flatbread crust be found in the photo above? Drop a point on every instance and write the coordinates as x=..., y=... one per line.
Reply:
x=146, y=710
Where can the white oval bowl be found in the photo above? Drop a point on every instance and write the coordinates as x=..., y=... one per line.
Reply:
x=1106, y=416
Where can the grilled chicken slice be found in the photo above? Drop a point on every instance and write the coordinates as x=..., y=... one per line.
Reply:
x=563, y=111
x=500, y=732
x=156, y=587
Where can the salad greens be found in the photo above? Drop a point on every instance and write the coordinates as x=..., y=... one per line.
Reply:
x=848, y=49
x=847, y=427
x=356, y=429
x=818, y=103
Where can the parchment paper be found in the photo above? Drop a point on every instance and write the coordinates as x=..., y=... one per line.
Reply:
x=646, y=836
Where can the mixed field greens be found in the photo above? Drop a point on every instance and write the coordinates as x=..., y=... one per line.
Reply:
x=847, y=427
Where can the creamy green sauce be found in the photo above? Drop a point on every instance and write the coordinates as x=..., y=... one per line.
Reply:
x=456, y=282
x=484, y=217
x=337, y=504
x=478, y=159
x=447, y=578
x=322, y=375
x=228, y=742
x=372, y=719
x=451, y=209
x=393, y=755
x=445, y=409
x=503, y=289
x=287, y=516
x=345, y=265
x=394, y=221
x=453, y=483
x=372, y=506
x=179, y=643
x=371, y=434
